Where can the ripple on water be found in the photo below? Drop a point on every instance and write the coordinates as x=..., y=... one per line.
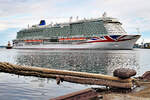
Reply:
x=13, y=87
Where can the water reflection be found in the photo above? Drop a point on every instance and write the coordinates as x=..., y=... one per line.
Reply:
x=85, y=61
x=13, y=87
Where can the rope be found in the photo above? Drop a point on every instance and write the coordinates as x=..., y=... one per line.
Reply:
x=8, y=66
x=70, y=76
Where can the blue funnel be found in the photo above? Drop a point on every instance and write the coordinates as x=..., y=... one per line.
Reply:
x=42, y=22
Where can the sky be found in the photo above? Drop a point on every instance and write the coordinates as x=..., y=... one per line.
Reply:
x=17, y=14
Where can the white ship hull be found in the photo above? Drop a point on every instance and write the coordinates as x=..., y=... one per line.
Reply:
x=126, y=42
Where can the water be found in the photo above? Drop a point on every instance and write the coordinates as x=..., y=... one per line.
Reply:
x=14, y=87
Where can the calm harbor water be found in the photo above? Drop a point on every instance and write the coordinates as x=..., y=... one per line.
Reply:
x=14, y=87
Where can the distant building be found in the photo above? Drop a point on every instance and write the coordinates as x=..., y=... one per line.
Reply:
x=136, y=46
x=2, y=46
x=147, y=45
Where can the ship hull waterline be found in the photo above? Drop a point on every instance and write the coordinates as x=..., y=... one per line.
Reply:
x=126, y=44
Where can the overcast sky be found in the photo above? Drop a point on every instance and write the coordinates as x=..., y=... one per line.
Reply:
x=17, y=14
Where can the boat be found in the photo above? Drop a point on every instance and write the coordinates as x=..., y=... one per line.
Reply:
x=99, y=33
x=8, y=45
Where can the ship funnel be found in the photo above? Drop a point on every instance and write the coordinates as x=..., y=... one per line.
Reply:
x=42, y=22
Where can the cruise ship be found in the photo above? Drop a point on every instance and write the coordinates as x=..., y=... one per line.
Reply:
x=99, y=33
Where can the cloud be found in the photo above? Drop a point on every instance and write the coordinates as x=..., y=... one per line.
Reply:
x=126, y=10
x=3, y=27
x=7, y=35
x=19, y=13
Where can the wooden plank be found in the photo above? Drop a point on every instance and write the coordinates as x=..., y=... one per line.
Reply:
x=79, y=95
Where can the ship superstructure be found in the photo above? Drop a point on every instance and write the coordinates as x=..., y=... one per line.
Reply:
x=100, y=33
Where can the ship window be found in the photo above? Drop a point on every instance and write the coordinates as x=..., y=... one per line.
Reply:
x=53, y=40
x=114, y=28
